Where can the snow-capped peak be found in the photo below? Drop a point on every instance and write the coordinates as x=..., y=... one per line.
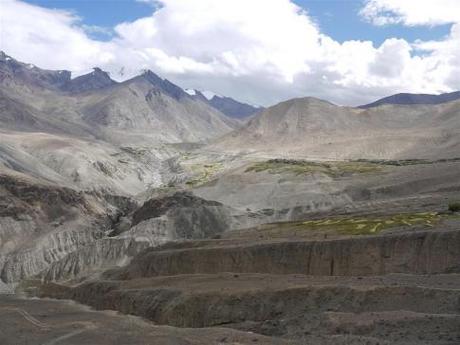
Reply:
x=191, y=92
x=209, y=94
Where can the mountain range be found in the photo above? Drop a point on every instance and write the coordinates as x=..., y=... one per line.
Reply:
x=412, y=99
x=93, y=132
x=226, y=105
x=146, y=102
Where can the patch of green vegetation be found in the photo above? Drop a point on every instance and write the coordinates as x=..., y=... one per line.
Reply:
x=185, y=156
x=336, y=168
x=333, y=227
x=454, y=206
x=300, y=167
x=204, y=174
x=370, y=225
x=406, y=162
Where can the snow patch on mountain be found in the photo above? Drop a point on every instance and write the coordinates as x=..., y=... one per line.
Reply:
x=209, y=94
x=191, y=92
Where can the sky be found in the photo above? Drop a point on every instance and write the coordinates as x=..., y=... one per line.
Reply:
x=349, y=52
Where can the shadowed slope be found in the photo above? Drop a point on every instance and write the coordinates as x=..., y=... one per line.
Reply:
x=410, y=98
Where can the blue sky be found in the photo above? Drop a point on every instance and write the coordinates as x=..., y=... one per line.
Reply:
x=341, y=21
x=337, y=18
x=102, y=13
x=257, y=51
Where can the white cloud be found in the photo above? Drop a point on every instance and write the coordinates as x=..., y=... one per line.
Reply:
x=231, y=37
x=258, y=51
x=440, y=64
x=48, y=38
x=412, y=12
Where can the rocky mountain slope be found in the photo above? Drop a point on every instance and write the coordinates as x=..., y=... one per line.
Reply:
x=95, y=102
x=98, y=79
x=227, y=105
x=154, y=108
x=94, y=133
x=72, y=154
x=411, y=99
x=316, y=129
x=13, y=72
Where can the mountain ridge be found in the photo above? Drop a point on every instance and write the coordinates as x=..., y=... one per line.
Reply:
x=97, y=134
x=313, y=128
x=413, y=99
x=227, y=105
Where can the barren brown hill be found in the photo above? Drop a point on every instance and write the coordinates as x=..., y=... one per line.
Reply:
x=312, y=128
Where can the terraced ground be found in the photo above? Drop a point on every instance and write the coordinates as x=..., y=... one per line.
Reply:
x=358, y=253
x=394, y=309
x=335, y=227
x=382, y=286
x=329, y=168
x=203, y=173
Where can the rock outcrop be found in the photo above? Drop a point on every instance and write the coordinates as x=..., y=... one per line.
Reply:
x=96, y=256
x=182, y=216
x=41, y=223
x=419, y=252
x=175, y=217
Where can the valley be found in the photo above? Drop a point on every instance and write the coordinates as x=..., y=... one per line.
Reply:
x=138, y=212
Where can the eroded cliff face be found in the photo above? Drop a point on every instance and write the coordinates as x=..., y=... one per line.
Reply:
x=170, y=259
x=49, y=248
x=299, y=290
x=169, y=218
x=200, y=301
x=42, y=223
x=425, y=252
x=384, y=309
x=96, y=256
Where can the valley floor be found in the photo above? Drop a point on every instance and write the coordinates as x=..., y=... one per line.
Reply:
x=48, y=322
x=292, y=252
x=234, y=308
x=339, y=291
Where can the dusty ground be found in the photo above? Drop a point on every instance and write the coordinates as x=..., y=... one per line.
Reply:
x=52, y=322
x=391, y=309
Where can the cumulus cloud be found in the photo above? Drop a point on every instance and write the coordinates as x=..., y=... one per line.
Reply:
x=440, y=61
x=50, y=38
x=258, y=51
